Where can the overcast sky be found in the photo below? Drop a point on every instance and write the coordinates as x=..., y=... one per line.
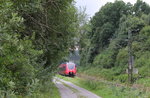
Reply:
x=93, y=6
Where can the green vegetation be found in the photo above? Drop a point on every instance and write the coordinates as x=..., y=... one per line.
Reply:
x=47, y=91
x=105, y=53
x=106, y=89
x=35, y=36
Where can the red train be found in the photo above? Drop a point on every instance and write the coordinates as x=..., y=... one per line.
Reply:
x=67, y=68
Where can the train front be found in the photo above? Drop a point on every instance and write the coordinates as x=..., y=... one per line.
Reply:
x=71, y=69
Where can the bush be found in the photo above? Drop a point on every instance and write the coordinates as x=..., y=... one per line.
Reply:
x=122, y=78
x=122, y=58
x=93, y=85
x=104, y=60
x=142, y=62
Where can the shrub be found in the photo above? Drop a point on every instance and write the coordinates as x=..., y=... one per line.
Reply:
x=104, y=60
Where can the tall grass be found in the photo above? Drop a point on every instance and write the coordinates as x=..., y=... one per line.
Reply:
x=108, y=90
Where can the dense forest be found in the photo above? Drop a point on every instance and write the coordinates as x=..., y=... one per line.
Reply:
x=35, y=35
x=105, y=51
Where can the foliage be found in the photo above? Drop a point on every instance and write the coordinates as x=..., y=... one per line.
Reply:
x=104, y=24
x=107, y=50
x=104, y=59
x=141, y=7
x=34, y=37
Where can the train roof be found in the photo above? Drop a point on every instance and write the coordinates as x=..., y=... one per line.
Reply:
x=68, y=63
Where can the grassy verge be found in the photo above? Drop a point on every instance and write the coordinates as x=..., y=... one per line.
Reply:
x=114, y=75
x=107, y=90
x=54, y=93
x=144, y=81
x=50, y=93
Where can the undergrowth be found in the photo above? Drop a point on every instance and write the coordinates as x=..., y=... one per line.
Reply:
x=48, y=90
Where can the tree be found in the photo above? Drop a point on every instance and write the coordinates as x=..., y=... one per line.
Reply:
x=35, y=36
x=140, y=8
x=104, y=25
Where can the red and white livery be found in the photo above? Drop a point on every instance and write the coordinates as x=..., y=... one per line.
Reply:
x=67, y=68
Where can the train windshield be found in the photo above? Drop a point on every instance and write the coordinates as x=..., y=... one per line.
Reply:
x=71, y=66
